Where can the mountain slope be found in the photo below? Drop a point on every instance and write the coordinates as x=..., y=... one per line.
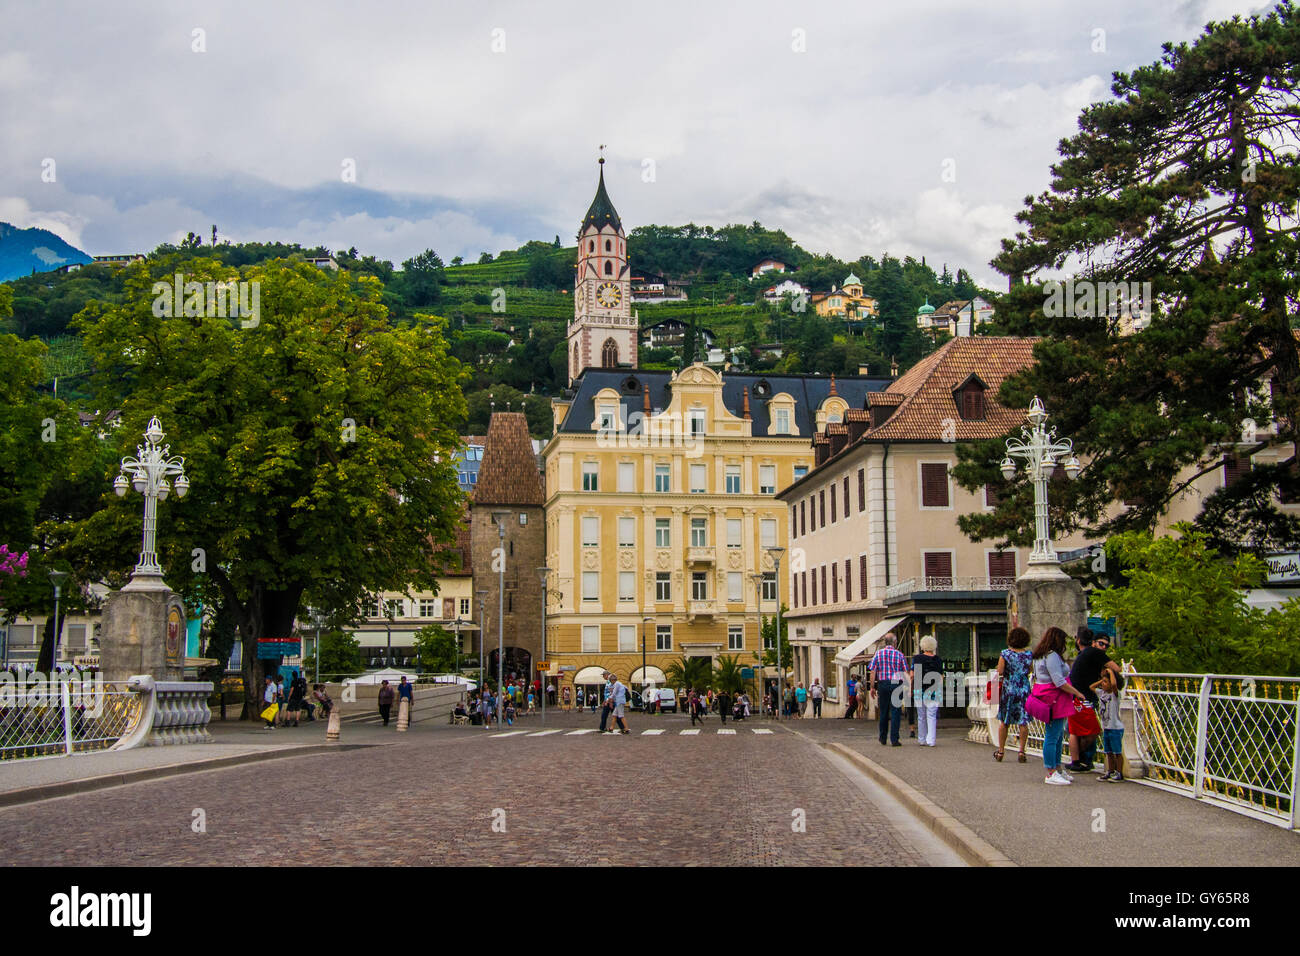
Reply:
x=24, y=250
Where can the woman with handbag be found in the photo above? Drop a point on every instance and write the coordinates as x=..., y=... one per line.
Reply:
x=1052, y=700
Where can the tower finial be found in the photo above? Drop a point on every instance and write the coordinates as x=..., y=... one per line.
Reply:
x=602, y=155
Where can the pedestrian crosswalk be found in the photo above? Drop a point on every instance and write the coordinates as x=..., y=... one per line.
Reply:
x=653, y=732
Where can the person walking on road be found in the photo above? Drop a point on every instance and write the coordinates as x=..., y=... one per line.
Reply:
x=1014, y=665
x=801, y=700
x=693, y=705
x=485, y=708
x=724, y=706
x=268, y=698
x=863, y=690
x=888, y=669
x=816, y=692
x=618, y=703
x=926, y=678
x=851, y=697
x=606, y=705
x=385, y=701
x=1052, y=701
x=406, y=691
x=1085, y=729
x=295, y=700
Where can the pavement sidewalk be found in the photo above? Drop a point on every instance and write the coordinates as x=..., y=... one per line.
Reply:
x=1008, y=805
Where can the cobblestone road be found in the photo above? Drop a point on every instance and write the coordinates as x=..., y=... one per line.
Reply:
x=429, y=797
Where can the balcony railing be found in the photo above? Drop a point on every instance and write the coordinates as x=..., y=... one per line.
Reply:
x=702, y=608
x=700, y=555
x=947, y=583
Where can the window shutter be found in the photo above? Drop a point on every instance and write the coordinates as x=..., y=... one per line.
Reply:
x=862, y=574
x=823, y=584
x=934, y=486
x=848, y=580
x=846, y=496
x=1234, y=467
x=814, y=600
x=938, y=564
x=835, y=583
x=991, y=496
x=832, y=504
x=1002, y=564
x=862, y=490
x=821, y=496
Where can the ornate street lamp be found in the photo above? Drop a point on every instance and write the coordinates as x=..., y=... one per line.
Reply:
x=776, y=554
x=149, y=472
x=1040, y=450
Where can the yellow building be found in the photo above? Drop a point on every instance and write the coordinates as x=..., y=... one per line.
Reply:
x=845, y=302
x=660, y=508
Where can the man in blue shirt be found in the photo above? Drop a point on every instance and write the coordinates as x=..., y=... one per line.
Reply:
x=618, y=701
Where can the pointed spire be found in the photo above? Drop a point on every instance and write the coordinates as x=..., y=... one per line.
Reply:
x=602, y=211
x=833, y=392
x=746, y=415
x=645, y=392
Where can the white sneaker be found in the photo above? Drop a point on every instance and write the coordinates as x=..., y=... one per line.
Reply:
x=1069, y=777
x=1058, y=780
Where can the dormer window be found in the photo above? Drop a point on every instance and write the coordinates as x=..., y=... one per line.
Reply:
x=781, y=421
x=970, y=399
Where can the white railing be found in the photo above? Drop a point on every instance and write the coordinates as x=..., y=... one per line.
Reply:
x=948, y=583
x=1228, y=739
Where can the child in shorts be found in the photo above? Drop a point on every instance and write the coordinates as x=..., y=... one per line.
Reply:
x=1112, y=727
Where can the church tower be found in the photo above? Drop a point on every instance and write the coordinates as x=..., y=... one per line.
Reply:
x=603, y=333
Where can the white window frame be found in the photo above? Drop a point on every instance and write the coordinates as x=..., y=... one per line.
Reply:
x=626, y=638
x=592, y=540
x=920, y=485
x=592, y=469
x=699, y=533
x=663, y=532
x=429, y=607
x=666, y=473
x=591, y=578
x=735, y=631
x=700, y=470
x=768, y=584
x=700, y=578
x=766, y=540
x=626, y=523
x=781, y=421
x=626, y=586
x=591, y=638
x=627, y=469
x=731, y=479
x=663, y=637
x=735, y=587
x=663, y=587
x=735, y=540
x=767, y=479
x=696, y=417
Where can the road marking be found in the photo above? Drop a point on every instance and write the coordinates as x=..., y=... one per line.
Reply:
x=574, y=733
x=651, y=733
x=761, y=730
x=689, y=733
x=543, y=733
x=509, y=733
x=731, y=732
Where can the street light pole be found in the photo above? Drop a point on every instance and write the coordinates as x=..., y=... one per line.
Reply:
x=544, y=573
x=1040, y=450
x=482, y=627
x=500, y=518
x=56, y=578
x=318, y=619
x=776, y=554
x=149, y=471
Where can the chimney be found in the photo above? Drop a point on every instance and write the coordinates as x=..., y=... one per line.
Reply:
x=864, y=371
x=838, y=436
x=746, y=415
x=858, y=420
x=646, y=398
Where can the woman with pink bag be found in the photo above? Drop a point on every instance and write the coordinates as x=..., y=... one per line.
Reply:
x=1052, y=700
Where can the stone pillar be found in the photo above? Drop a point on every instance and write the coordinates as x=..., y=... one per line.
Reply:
x=403, y=714
x=335, y=725
x=143, y=632
x=1039, y=601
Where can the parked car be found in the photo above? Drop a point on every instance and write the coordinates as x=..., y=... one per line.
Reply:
x=667, y=700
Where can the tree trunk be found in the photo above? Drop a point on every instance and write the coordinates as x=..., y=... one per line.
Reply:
x=265, y=614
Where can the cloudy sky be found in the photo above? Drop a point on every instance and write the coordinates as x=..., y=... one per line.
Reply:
x=912, y=127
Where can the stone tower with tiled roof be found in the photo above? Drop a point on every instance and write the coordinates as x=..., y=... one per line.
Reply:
x=510, y=487
x=603, y=333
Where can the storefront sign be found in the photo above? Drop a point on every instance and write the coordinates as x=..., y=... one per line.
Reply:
x=269, y=648
x=1283, y=568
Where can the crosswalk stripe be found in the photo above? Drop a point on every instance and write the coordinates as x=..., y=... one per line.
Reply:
x=651, y=733
x=543, y=733
x=761, y=730
x=688, y=733
x=509, y=733
x=575, y=733
x=731, y=732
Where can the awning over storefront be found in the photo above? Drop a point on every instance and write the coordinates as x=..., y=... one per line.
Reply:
x=590, y=675
x=653, y=675
x=866, y=642
x=1269, y=598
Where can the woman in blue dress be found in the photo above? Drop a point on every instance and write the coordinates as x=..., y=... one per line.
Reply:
x=1014, y=665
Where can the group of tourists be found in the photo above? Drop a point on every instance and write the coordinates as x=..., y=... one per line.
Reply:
x=285, y=704
x=1082, y=699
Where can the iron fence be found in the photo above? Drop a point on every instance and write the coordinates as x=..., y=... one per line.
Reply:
x=1229, y=739
x=44, y=719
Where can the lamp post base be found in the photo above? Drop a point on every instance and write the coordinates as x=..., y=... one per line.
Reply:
x=1039, y=601
x=143, y=632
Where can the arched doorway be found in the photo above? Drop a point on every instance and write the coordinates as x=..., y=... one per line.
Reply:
x=609, y=354
x=590, y=685
x=518, y=662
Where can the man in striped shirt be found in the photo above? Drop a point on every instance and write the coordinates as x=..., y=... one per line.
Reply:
x=888, y=669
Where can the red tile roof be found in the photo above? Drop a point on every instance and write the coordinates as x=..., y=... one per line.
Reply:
x=926, y=391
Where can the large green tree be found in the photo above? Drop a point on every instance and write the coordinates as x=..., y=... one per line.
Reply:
x=1188, y=180
x=318, y=444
